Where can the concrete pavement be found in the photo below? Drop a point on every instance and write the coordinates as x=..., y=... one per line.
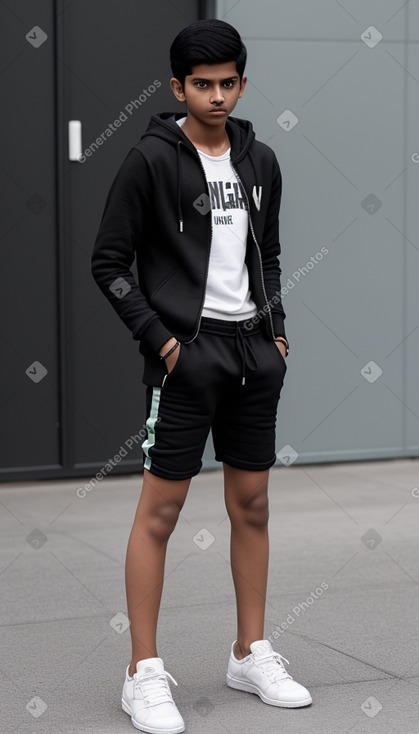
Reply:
x=342, y=603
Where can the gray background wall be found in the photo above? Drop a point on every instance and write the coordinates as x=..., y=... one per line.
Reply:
x=355, y=144
x=356, y=136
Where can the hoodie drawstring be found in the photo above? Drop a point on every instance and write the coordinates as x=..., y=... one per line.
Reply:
x=165, y=127
x=179, y=187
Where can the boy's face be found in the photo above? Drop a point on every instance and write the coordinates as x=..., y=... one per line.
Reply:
x=210, y=92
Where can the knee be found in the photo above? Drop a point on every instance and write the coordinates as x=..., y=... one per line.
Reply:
x=252, y=511
x=162, y=521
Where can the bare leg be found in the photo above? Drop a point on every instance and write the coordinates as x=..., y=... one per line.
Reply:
x=246, y=498
x=157, y=513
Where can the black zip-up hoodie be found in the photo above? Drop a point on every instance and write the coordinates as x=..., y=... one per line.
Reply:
x=153, y=213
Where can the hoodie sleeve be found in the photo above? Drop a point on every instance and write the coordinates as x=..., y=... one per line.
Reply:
x=271, y=250
x=119, y=238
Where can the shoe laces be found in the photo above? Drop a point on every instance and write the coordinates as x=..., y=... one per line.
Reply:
x=273, y=667
x=154, y=689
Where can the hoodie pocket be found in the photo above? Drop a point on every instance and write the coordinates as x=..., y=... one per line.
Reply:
x=163, y=282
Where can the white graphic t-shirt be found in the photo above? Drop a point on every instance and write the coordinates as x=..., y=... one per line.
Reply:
x=227, y=294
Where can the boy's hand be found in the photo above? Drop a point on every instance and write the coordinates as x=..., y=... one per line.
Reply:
x=282, y=348
x=172, y=358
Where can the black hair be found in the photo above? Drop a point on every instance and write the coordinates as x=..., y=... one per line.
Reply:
x=210, y=41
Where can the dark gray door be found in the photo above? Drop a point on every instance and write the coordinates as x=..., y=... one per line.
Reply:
x=71, y=394
x=30, y=359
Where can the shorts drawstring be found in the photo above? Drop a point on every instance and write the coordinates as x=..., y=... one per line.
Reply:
x=238, y=330
x=246, y=352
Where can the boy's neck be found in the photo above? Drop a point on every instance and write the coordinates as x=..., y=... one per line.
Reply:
x=211, y=139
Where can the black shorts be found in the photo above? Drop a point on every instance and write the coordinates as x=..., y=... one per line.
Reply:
x=228, y=379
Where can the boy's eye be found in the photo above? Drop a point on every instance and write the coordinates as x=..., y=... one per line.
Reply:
x=202, y=85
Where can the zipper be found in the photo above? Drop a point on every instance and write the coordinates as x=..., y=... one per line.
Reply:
x=258, y=250
x=208, y=259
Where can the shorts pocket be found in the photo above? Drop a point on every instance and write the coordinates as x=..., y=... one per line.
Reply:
x=168, y=375
x=282, y=359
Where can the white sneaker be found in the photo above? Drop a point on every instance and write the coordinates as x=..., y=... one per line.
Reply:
x=263, y=672
x=146, y=697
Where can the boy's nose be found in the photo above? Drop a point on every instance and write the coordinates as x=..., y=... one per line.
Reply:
x=217, y=95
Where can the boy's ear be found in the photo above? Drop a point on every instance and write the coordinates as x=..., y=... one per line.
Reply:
x=177, y=89
x=242, y=86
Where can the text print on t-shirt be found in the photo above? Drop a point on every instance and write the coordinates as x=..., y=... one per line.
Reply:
x=225, y=195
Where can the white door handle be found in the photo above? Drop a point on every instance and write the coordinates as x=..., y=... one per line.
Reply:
x=74, y=140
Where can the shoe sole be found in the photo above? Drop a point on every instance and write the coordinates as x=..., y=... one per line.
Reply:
x=148, y=729
x=250, y=688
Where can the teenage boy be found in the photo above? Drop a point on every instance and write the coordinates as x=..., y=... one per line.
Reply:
x=196, y=201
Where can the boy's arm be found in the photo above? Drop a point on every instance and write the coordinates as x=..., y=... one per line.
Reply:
x=120, y=234
x=271, y=249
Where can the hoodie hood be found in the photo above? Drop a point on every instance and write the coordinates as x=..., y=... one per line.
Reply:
x=164, y=126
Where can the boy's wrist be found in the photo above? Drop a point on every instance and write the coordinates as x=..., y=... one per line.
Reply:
x=167, y=346
x=283, y=341
x=170, y=351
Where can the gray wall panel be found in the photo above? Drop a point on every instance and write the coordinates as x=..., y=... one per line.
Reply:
x=410, y=345
x=319, y=19
x=347, y=151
